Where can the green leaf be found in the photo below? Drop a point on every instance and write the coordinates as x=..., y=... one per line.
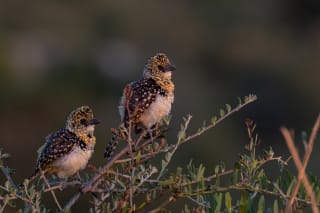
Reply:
x=261, y=204
x=275, y=207
x=214, y=119
x=235, y=176
x=216, y=169
x=228, y=108
x=243, y=203
x=6, y=184
x=141, y=206
x=261, y=174
x=218, y=199
x=138, y=157
x=293, y=181
x=179, y=171
x=155, y=146
x=228, y=202
x=200, y=173
x=167, y=157
x=223, y=166
x=167, y=182
x=5, y=155
x=245, y=99
x=123, y=185
x=181, y=135
x=222, y=112
x=318, y=195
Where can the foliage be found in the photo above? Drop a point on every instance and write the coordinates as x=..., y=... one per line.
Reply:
x=132, y=181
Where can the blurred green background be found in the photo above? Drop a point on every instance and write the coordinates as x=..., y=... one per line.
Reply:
x=58, y=55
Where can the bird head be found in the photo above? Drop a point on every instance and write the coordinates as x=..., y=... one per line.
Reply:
x=159, y=67
x=81, y=121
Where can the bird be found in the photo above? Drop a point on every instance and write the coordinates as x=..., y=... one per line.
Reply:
x=146, y=102
x=69, y=149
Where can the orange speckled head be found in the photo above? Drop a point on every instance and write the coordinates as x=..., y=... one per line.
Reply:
x=159, y=66
x=81, y=121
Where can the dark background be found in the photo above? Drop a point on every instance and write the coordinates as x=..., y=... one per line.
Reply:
x=58, y=55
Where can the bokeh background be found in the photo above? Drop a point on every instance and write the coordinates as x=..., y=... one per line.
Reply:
x=58, y=55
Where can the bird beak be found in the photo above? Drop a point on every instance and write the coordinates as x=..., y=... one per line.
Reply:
x=170, y=67
x=93, y=121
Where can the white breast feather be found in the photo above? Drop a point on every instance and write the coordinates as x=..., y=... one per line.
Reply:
x=74, y=161
x=157, y=110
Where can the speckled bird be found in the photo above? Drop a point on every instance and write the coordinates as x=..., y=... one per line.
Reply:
x=68, y=150
x=147, y=101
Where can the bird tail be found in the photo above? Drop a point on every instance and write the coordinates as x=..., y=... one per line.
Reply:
x=112, y=145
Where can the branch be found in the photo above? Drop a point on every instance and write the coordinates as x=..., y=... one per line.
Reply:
x=52, y=192
x=179, y=142
x=71, y=202
x=92, y=184
x=301, y=167
x=93, y=180
x=62, y=186
x=5, y=173
x=250, y=99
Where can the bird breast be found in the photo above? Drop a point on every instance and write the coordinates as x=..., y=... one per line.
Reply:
x=158, y=109
x=72, y=162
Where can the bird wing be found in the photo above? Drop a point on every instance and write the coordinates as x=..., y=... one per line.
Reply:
x=142, y=94
x=57, y=145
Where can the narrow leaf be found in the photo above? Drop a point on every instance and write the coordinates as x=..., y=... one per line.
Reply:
x=228, y=202
x=243, y=203
x=275, y=207
x=293, y=181
x=228, y=107
x=222, y=112
x=213, y=119
x=261, y=204
x=218, y=199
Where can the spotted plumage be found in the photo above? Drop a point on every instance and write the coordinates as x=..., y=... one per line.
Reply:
x=145, y=102
x=68, y=150
x=143, y=94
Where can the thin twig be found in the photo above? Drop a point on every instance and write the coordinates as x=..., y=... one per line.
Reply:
x=71, y=202
x=4, y=206
x=280, y=191
x=130, y=144
x=95, y=180
x=198, y=203
x=161, y=206
x=52, y=192
x=144, y=156
x=178, y=143
x=209, y=178
x=8, y=177
x=301, y=167
x=62, y=186
x=251, y=99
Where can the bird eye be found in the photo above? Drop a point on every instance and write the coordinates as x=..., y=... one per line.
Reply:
x=161, y=68
x=83, y=121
